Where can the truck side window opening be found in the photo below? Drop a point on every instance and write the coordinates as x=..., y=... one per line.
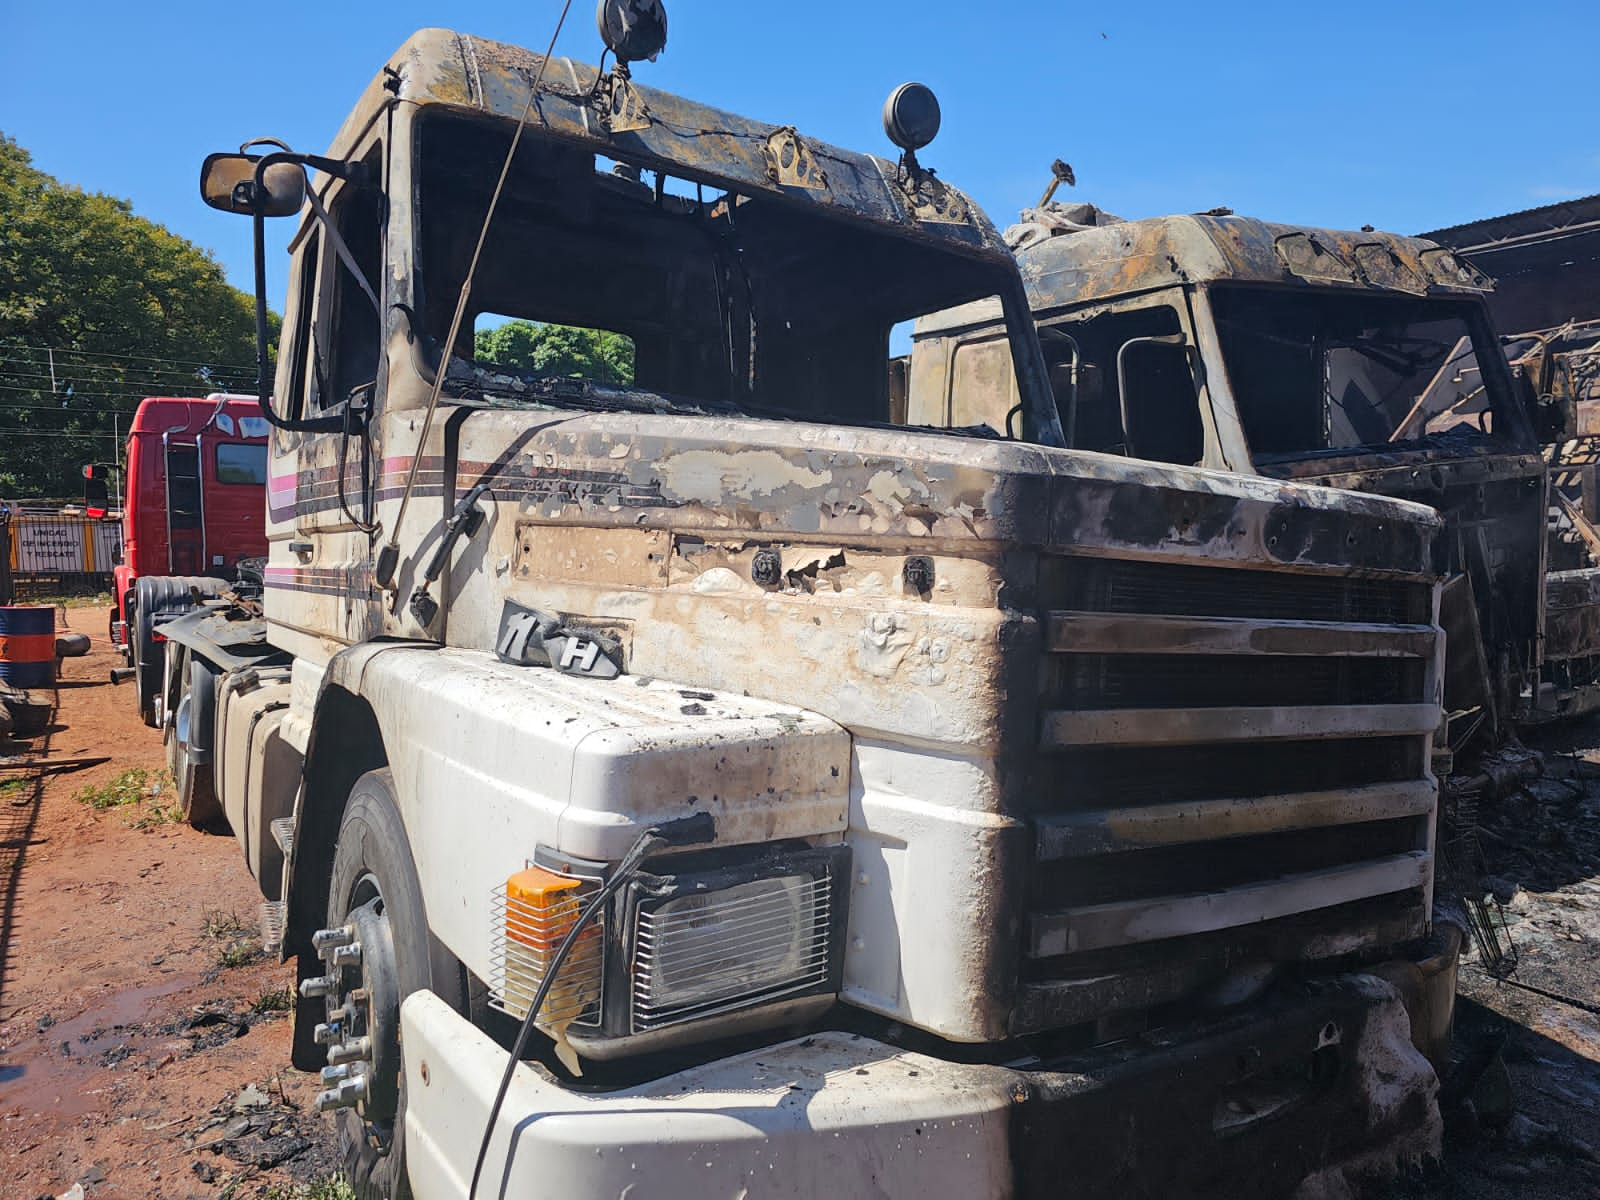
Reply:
x=1162, y=404
x=355, y=336
x=731, y=302
x=300, y=341
x=238, y=463
x=183, y=487
x=1333, y=371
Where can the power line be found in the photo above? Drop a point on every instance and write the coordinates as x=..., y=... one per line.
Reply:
x=76, y=437
x=129, y=394
x=68, y=377
x=131, y=357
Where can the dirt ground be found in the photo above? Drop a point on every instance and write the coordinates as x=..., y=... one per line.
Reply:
x=144, y=1043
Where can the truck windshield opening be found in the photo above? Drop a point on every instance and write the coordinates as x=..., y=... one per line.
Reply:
x=731, y=303
x=1328, y=372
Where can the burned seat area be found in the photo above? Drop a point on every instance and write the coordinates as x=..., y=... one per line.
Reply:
x=756, y=304
x=1231, y=775
x=1322, y=371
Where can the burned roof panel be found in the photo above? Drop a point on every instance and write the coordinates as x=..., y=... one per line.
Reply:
x=1113, y=261
x=439, y=67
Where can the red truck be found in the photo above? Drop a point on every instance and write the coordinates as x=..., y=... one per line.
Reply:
x=193, y=509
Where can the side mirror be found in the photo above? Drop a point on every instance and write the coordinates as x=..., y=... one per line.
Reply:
x=228, y=182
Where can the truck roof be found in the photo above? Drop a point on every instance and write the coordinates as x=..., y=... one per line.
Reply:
x=183, y=415
x=1113, y=260
x=1124, y=258
x=471, y=74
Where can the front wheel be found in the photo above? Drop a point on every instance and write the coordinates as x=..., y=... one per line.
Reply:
x=377, y=951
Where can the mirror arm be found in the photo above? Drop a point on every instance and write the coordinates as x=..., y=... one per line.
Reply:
x=1154, y=339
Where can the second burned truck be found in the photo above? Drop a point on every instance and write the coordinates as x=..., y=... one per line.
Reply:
x=1359, y=360
x=920, y=811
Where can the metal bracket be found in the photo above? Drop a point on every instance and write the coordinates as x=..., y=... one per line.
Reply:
x=622, y=109
x=933, y=201
x=790, y=162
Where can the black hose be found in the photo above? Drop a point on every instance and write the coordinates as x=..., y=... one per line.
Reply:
x=685, y=831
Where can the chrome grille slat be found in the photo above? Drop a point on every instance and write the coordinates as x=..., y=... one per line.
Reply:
x=1183, y=710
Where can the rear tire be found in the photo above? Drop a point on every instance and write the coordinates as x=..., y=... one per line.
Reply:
x=374, y=886
x=146, y=673
x=194, y=782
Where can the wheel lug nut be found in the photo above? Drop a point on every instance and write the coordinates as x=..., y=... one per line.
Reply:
x=346, y=1094
x=327, y=1033
x=348, y=955
x=355, y=1050
x=316, y=987
x=327, y=939
x=335, y=1074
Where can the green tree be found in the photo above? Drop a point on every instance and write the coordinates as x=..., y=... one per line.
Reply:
x=558, y=350
x=98, y=309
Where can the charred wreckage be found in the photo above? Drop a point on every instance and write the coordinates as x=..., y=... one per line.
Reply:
x=768, y=773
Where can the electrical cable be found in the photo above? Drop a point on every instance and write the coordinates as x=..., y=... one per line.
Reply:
x=393, y=545
x=681, y=832
x=131, y=357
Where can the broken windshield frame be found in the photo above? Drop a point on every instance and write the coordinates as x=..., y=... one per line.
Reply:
x=1318, y=372
x=756, y=305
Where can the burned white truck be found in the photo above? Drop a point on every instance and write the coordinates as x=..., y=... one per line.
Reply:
x=708, y=785
x=1356, y=359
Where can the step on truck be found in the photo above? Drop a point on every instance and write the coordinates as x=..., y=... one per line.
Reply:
x=1356, y=359
x=712, y=785
x=195, y=476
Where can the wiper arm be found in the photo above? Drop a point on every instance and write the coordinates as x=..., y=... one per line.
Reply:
x=466, y=520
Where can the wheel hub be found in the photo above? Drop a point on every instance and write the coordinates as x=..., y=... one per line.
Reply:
x=362, y=1030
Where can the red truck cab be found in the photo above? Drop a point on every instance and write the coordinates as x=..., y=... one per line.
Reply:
x=193, y=507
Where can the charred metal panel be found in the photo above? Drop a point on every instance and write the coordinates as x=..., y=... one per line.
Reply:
x=1572, y=614
x=438, y=67
x=1112, y=262
x=1222, y=751
x=1243, y=1112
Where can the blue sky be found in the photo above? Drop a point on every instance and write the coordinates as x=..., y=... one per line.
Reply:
x=1407, y=116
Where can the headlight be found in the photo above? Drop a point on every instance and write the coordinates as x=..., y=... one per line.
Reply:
x=709, y=943
x=754, y=928
x=703, y=951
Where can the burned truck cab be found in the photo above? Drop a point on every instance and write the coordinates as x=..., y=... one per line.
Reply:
x=712, y=777
x=1360, y=360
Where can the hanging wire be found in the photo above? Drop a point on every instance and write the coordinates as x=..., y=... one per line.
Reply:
x=466, y=283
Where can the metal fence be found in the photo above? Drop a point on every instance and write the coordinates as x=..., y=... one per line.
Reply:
x=55, y=551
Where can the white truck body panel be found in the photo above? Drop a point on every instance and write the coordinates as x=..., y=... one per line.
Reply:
x=831, y=1115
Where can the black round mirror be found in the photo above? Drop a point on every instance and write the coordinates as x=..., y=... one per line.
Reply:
x=911, y=116
x=632, y=29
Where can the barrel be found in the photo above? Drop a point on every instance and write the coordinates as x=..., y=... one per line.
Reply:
x=28, y=645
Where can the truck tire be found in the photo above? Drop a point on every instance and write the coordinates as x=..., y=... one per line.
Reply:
x=155, y=598
x=191, y=685
x=374, y=892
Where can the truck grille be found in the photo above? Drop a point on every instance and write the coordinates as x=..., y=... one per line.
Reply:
x=1232, y=765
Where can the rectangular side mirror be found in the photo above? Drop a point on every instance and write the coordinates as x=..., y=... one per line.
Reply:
x=227, y=182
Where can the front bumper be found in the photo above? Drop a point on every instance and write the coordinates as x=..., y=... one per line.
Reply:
x=1244, y=1106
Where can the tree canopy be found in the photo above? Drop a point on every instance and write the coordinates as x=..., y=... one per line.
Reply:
x=98, y=309
x=558, y=350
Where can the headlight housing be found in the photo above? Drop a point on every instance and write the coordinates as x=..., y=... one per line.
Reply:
x=699, y=953
x=741, y=932
x=732, y=936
